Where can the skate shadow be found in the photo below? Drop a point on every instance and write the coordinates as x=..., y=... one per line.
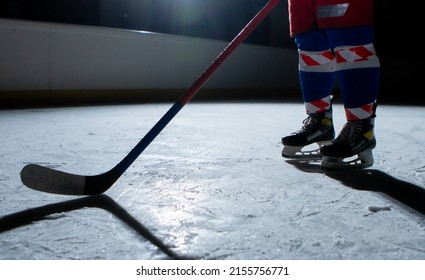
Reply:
x=102, y=201
x=402, y=192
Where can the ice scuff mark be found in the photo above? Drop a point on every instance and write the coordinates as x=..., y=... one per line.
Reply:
x=376, y=209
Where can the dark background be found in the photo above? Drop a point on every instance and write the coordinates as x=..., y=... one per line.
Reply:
x=216, y=19
x=397, y=29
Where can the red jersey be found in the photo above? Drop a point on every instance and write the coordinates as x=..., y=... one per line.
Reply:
x=304, y=15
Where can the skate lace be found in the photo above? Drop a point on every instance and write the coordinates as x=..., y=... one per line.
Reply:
x=309, y=124
x=350, y=132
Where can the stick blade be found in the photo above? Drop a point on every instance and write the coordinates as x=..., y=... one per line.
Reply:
x=48, y=180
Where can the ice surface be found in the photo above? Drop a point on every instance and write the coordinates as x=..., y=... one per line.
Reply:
x=212, y=185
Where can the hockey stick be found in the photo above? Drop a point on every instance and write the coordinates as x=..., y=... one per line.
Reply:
x=53, y=181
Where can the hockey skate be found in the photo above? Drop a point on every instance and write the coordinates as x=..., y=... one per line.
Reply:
x=305, y=143
x=353, y=146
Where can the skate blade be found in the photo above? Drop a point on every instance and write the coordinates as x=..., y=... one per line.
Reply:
x=360, y=161
x=309, y=152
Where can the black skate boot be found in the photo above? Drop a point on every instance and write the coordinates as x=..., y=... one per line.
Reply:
x=318, y=129
x=353, y=146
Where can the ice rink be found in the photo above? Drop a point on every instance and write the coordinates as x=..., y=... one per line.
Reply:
x=211, y=186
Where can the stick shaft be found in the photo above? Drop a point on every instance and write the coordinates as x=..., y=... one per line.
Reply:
x=196, y=86
x=233, y=45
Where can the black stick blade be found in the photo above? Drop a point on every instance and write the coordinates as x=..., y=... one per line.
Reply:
x=52, y=181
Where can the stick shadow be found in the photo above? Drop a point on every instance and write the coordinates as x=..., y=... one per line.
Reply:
x=101, y=201
x=374, y=180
